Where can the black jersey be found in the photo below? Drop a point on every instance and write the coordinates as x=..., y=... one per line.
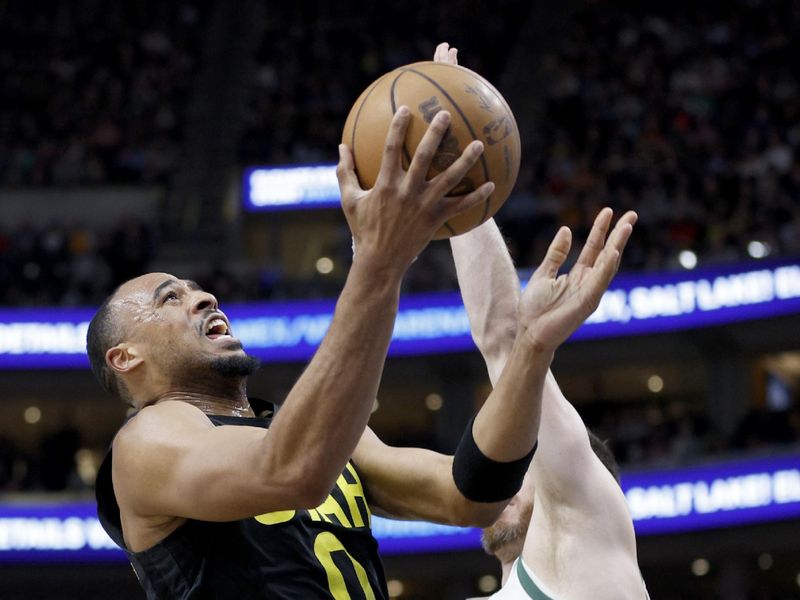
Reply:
x=326, y=552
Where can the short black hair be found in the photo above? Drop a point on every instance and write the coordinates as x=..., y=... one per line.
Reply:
x=603, y=452
x=103, y=333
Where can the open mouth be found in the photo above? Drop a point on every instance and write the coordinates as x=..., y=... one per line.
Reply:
x=217, y=328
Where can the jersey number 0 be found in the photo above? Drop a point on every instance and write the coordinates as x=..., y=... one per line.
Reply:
x=325, y=544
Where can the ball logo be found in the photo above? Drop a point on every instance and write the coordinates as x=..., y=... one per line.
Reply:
x=448, y=151
x=478, y=113
x=496, y=131
x=483, y=101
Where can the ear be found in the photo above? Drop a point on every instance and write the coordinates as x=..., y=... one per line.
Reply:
x=123, y=358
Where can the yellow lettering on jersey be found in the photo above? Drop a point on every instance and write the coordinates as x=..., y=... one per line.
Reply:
x=273, y=518
x=317, y=516
x=352, y=491
x=331, y=507
x=325, y=545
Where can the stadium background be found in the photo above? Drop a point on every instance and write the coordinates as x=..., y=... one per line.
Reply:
x=125, y=130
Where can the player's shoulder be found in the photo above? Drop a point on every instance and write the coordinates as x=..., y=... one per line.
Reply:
x=157, y=424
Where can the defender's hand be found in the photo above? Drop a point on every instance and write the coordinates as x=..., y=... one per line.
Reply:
x=552, y=307
x=444, y=53
x=395, y=220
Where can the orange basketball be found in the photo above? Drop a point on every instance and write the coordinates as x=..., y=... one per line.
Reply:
x=478, y=112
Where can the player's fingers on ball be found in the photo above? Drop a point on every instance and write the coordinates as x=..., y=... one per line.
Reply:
x=555, y=256
x=391, y=162
x=597, y=237
x=452, y=176
x=345, y=171
x=452, y=56
x=440, y=54
x=450, y=206
x=427, y=147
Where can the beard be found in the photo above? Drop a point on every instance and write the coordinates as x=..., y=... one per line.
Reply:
x=238, y=365
x=505, y=540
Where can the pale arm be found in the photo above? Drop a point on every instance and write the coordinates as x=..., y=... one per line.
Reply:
x=565, y=465
x=490, y=289
x=414, y=483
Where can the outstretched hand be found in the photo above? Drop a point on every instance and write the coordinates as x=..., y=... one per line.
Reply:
x=553, y=306
x=392, y=222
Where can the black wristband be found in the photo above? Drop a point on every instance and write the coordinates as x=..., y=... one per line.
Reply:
x=481, y=479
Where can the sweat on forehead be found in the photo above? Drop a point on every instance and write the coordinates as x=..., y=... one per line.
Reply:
x=133, y=301
x=149, y=285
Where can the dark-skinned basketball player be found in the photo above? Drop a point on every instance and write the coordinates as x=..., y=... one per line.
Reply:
x=567, y=534
x=211, y=501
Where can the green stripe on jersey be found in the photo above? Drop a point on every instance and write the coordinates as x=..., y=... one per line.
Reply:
x=528, y=585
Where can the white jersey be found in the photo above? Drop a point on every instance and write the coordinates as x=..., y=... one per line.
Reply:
x=523, y=584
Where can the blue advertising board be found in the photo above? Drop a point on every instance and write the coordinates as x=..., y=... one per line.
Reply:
x=746, y=491
x=301, y=187
x=665, y=501
x=437, y=323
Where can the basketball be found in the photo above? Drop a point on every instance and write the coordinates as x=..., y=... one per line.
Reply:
x=478, y=112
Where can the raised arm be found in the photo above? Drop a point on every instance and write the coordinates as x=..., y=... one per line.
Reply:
x=487, y=279
x=415, y=483
x=518, y=348
x=170, y=461
x=564, y=459
x=490, y=289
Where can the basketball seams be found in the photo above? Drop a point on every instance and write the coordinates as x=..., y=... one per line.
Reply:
x=484, y=166
x=450, y=99
x=368, y=120
x=477, y=76
x=449, y=228
x=393, y=101
x=494, y=91
x=367, y=94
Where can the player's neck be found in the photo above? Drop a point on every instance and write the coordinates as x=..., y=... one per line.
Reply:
x=232, y=403
x=221, y=406
x=506, y=565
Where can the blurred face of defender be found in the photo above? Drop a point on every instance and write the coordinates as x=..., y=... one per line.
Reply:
x=506, y=537
x=175, y=327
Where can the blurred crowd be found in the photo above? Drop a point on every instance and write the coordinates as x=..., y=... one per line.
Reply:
x=317, y=56
x=688, y=113
x=673, y=433
x=70, y=265
x=93, y=91
x=58, y=464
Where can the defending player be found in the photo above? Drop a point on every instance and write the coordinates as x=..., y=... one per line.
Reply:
x=567, y=534
x=579, y=542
